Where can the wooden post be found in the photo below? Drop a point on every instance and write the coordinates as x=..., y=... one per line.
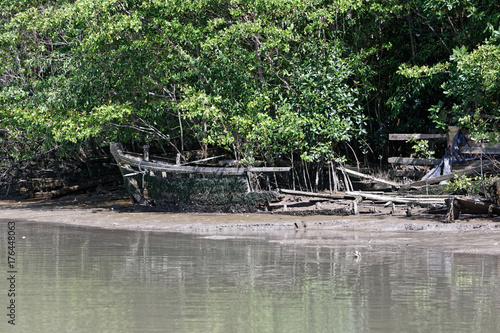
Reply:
x=453, y=210
x=355, y=210
x=452, y=131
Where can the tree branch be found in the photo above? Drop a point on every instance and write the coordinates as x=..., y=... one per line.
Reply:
x=426, y=22
x=150, y=129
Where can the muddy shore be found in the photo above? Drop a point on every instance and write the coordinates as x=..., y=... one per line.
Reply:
x=364, y=232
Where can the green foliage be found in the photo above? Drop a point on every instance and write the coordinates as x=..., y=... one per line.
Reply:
x=461, y=183
x=245, y=76
x=441, y=81
x=48, y=85
x=470, y=91
x=458, y=83
x=262, y=79
x=470, y=185
x=476, y=85
x=421, y=148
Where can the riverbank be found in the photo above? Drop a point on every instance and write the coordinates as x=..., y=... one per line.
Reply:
x=364, y=231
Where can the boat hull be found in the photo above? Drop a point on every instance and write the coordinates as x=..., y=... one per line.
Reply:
x=162, y=187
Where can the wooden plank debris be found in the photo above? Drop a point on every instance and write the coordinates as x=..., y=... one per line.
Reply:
x=413, y=161
x=396, y=199
x=406, y=173
x=486, y=149
x=415, y=136
x=268, y=169
x=203, y=160
x=362, y=175
x=317, y=195
x=125, y=158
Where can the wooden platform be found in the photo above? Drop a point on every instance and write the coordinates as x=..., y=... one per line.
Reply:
x=413, y=161
x=484, y=149
x=415, y=136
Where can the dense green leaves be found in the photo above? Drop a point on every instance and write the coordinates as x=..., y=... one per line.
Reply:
x=462, y=85
x=475, y=85
x=262, y=79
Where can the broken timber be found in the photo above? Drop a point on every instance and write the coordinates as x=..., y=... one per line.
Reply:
x=117, y=151
x=362, y=175
x=394, y=199
x=413, y=161
x=473, y=169
x=485, y=149
x=317, y=195
x=406, y=137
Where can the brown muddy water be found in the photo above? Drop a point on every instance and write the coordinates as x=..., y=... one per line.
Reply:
x=75, y=279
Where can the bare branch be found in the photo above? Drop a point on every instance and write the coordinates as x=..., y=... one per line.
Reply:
x=426, y=22
x=151, y=130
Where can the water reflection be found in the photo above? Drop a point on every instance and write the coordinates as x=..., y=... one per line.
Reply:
x=87, y=280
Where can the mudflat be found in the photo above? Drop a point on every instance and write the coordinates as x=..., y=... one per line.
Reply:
x=365, y=232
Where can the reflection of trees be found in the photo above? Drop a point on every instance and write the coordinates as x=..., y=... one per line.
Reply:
x=241, y=282
x=187, y=283
x=59, y=285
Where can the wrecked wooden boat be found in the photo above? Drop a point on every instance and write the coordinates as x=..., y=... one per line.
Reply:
x=157, y=185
